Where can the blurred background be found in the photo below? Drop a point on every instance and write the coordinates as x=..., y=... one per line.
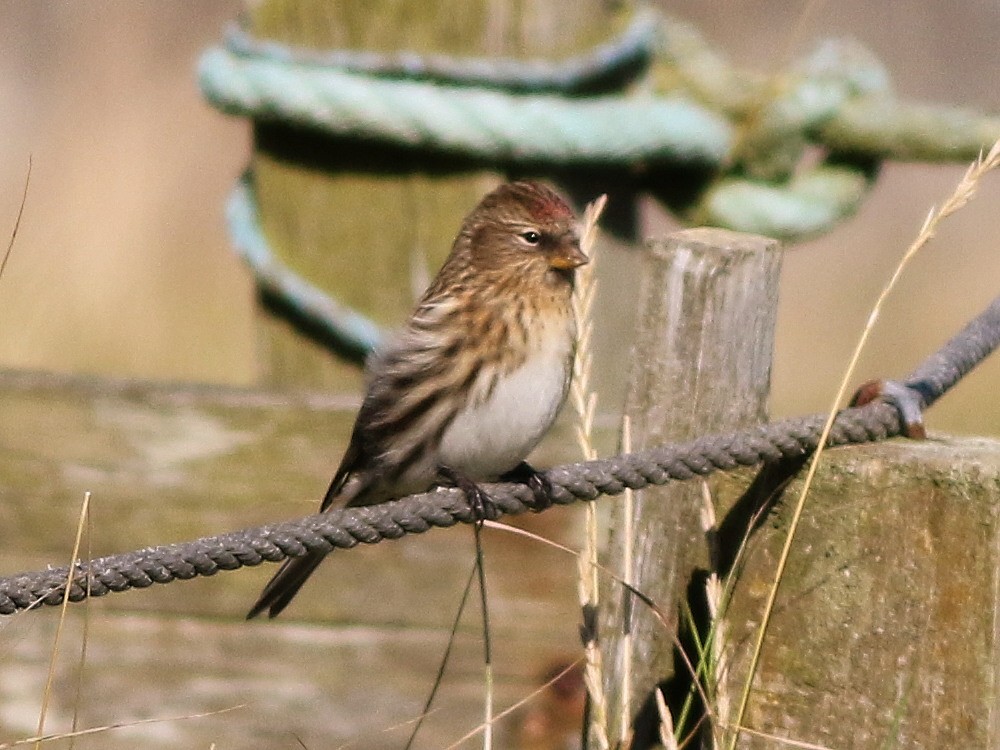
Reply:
x=123, y=267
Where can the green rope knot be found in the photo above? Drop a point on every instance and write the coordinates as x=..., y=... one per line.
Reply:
x=738, y=137
x=719, y=145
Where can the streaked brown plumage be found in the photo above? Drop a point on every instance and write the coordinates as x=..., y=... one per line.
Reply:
x=478, y=373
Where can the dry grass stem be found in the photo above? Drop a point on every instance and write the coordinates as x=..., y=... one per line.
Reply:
x=716, y=653
x=715, y=596
x=480, y=570
x=53, y=658
x=585, y=404
x=584, y=401
x=628, y=575
x=109, y=727
x=488, y=717
x=963, y=193
x=85, y=635
x=514, y=706
x=784, y=740
x=654, y=609
x=17, y=221
x=667, y=738
x=358, y=739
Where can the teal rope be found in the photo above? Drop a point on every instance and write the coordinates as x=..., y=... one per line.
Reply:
x=840, y=96
x=511, y=129
x=907, y=131
x=808, y=205
x=607, y=66
x=644, y=136
x=506, y=113
x=348, y=332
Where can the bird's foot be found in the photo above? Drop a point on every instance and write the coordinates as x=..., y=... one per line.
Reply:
x=907, y=401
x=482, y=505
x=537, y=481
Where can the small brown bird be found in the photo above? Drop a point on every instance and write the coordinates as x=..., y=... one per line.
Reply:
x=477, y=375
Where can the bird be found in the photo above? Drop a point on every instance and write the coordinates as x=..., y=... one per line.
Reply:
x=477, y=374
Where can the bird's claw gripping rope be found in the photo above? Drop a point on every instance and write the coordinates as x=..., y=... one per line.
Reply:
x=537, y=481
x=480, y=503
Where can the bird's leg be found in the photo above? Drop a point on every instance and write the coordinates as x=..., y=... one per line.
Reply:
x=481, y=504
x=537, y=481
x=908, y=402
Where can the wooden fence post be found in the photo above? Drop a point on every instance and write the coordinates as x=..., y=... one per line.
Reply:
x=367, y=222
x=701, y=364
x=885, y=631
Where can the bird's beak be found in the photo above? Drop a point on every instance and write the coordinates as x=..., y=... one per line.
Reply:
x=569, y=256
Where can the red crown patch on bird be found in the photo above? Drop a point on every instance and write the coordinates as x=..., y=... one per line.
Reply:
x=541, y=203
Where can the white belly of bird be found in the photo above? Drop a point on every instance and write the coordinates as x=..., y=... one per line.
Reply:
x=494, y=436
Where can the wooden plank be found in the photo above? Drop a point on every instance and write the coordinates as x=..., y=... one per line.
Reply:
x=327, y=685
x=884, y=632
x=356, y=652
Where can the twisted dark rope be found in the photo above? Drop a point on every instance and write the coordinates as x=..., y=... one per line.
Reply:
x=446, y=507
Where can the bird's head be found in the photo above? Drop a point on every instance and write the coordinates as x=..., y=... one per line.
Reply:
x=524, y=226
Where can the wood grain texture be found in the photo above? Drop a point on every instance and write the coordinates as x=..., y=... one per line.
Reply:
x=701, y=364
x=355, y=654
x=884, y=632
x=369, y=223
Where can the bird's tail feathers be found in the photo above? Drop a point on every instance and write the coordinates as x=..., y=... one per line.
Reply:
x=346, y=489
x=332, y=498
x=285, y=585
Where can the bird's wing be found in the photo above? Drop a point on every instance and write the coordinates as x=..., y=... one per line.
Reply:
x=342, y=490
x=411, y=381
x=359, y=471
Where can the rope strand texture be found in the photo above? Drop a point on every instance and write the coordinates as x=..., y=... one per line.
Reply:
x=416, y=514
x=538, y=129
x=705, y=114
x=608, y=66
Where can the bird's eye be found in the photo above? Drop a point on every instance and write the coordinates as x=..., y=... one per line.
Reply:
x=531, y=237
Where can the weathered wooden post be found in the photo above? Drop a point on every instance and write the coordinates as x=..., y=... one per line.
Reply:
x=368, y=222
x=885, y=630
x=701, y=364
x=885, y=626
